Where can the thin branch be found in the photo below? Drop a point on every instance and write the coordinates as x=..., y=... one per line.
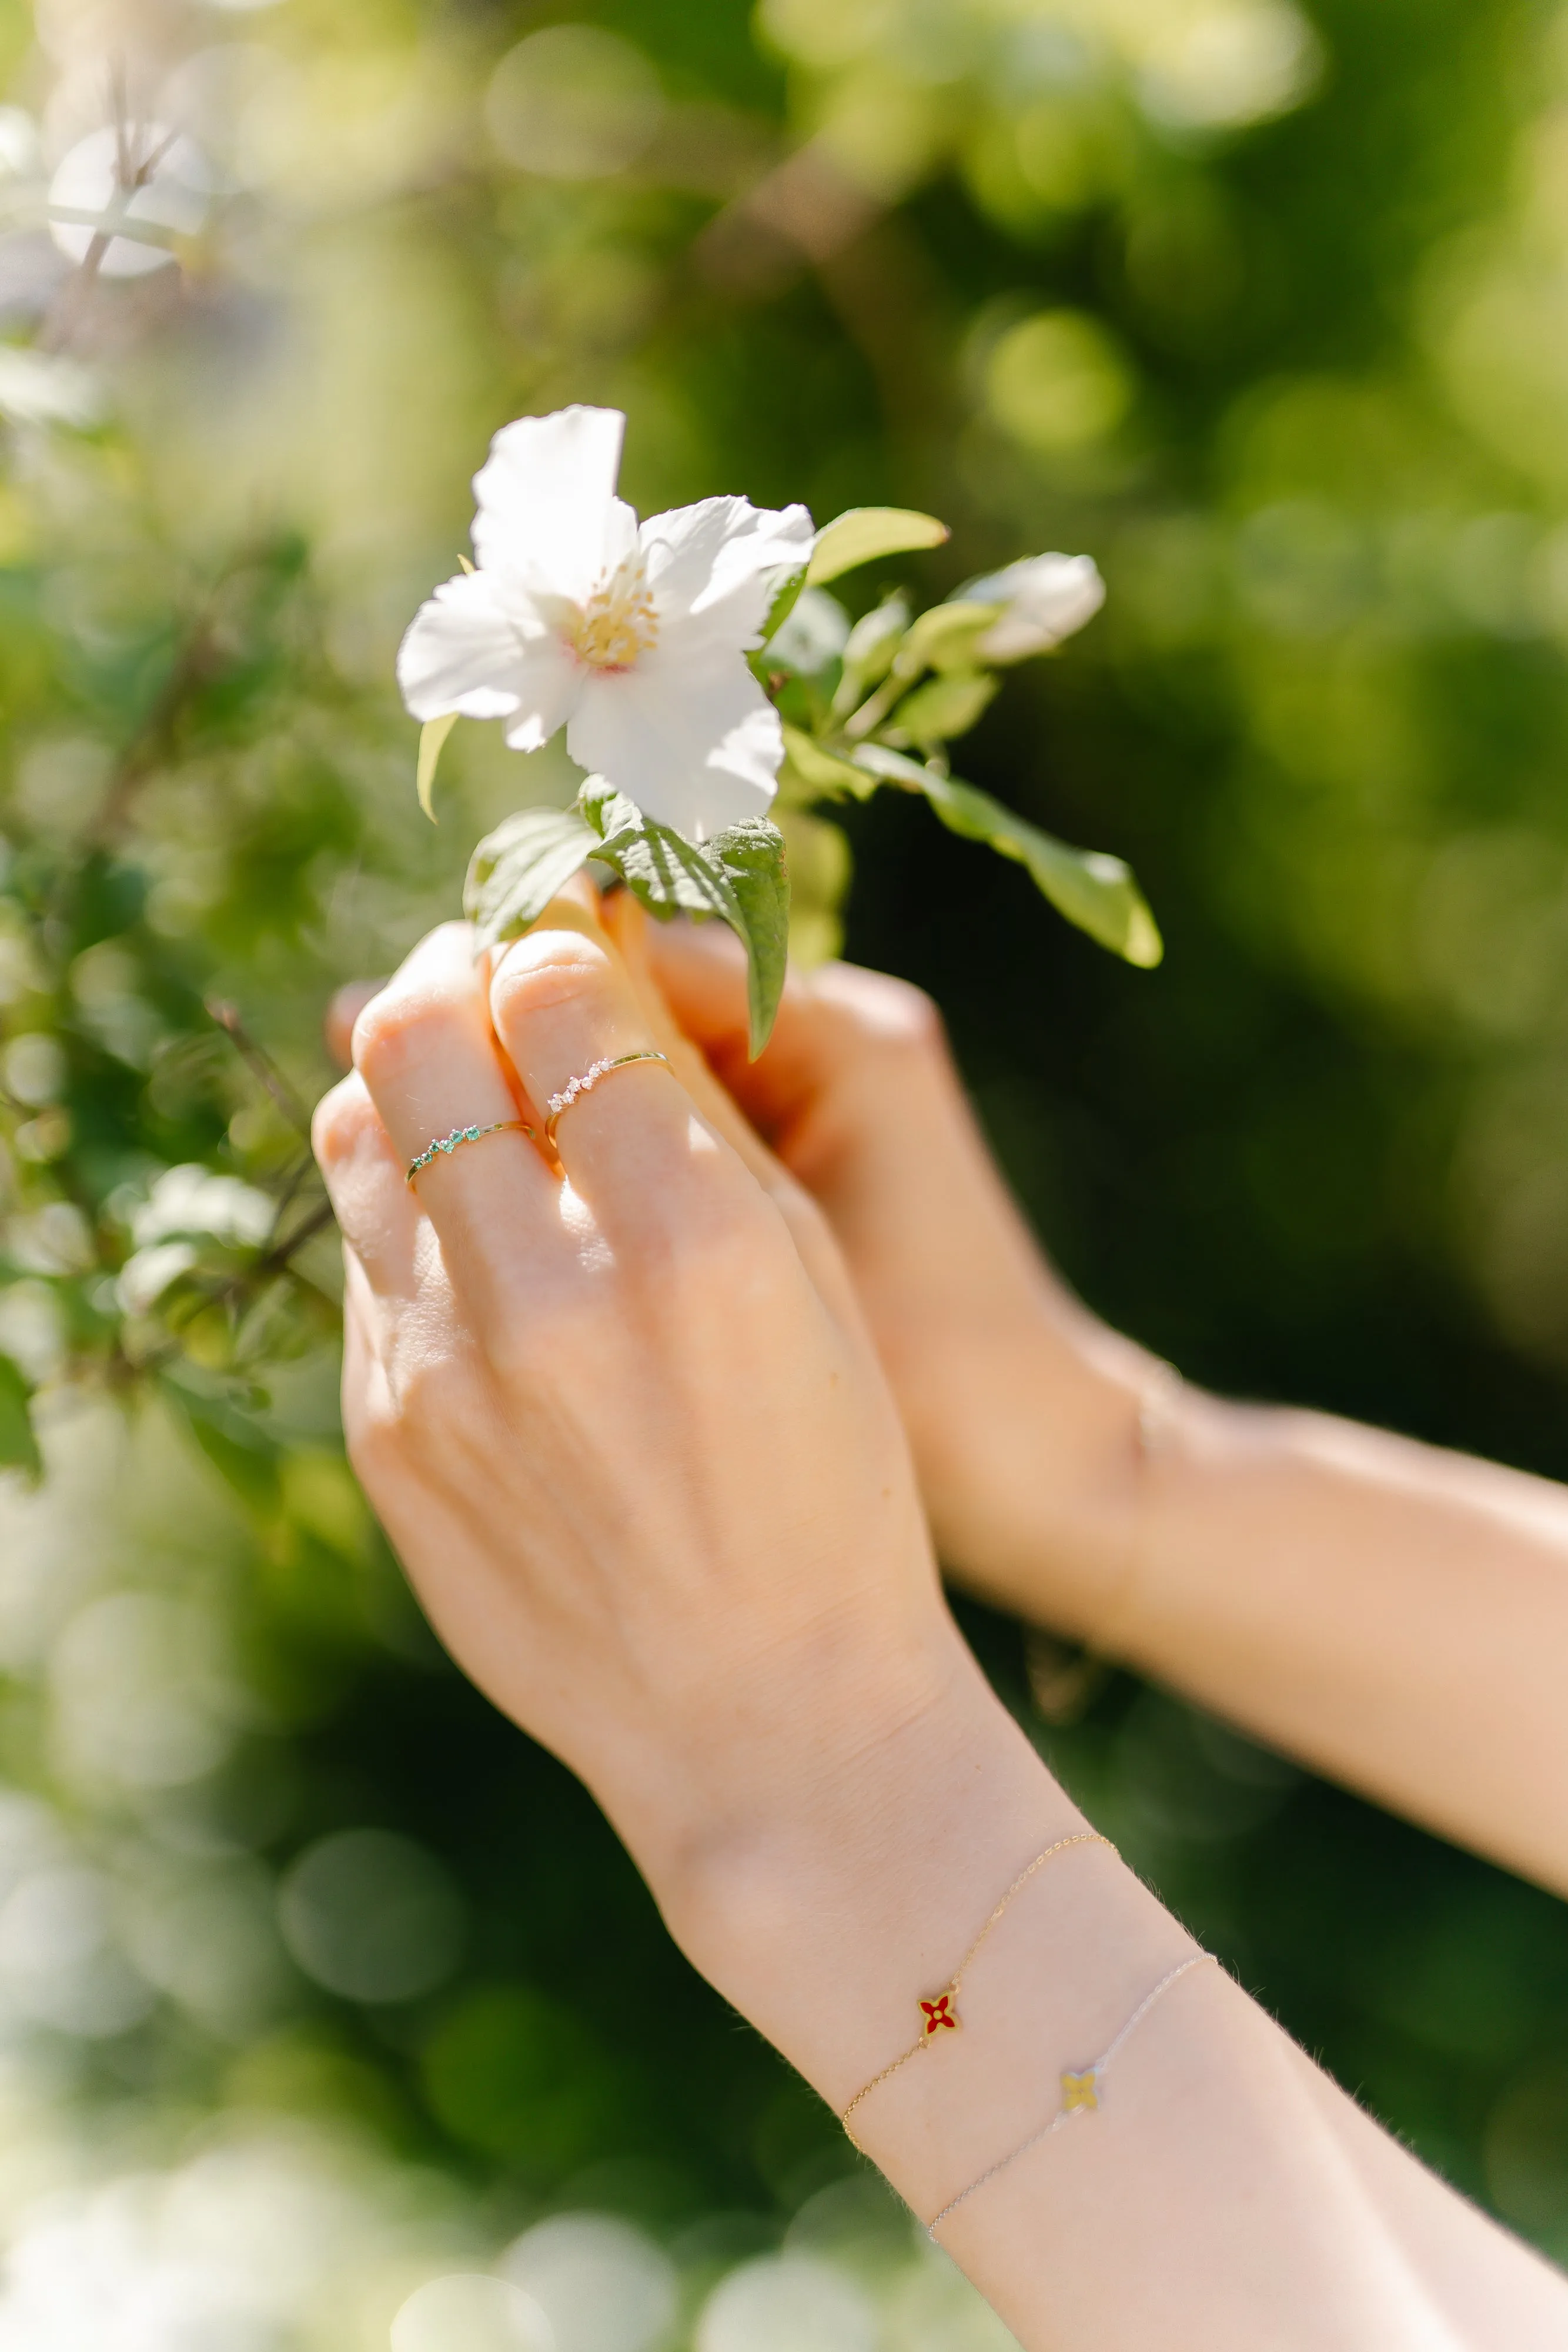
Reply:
x=265, y=1068
x=130, y=178
x=277, y=1260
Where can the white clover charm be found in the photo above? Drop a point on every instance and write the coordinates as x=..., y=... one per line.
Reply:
x=633, y=639
x=1045, y=598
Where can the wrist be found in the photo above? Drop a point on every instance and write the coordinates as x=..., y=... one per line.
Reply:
x=1034, y=1491
x=822, y=1918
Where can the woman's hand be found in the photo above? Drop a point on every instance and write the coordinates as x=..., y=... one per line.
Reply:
x=621, y=1418
x=1022, y=1410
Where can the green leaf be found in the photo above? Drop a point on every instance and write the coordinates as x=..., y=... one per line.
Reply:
x=945, y=637
x=1092, y=890
x=945, y=706
x=784, y=600
x=811, y=641
x=869, y=652
x=18, y=1445
x=865, y=533
x=751, y=857
x=668, y=873
x=516, y=870
x=431, y=736
x=816, y=771
x=242, y=1453
x=739, y=875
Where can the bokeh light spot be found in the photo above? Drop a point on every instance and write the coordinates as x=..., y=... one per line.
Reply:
x=573, y=103
x=1057, y=382
x=786, y=2303
x=371, y=1916
x=467, y=2311
x=602, y=2282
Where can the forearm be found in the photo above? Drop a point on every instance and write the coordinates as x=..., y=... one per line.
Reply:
x=1392, y=1614
x=1223, y=2198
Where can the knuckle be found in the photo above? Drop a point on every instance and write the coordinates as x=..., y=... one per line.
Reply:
x=546, y=971
x=344, y=1121
x=403, y=1025
x=371, y=1440
x=883, y=1015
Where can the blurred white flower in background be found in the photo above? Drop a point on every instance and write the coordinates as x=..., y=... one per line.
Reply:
x=43, y=388
x=140, y=185
x=634, y=640
x=187, y=1206
x=1045, y=598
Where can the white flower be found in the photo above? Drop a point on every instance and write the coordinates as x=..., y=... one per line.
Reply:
x=634, y=640
x=1046, y=598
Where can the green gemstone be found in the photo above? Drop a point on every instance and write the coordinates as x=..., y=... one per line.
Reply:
x=471, y=1135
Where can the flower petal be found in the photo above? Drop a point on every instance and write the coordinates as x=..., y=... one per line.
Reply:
x=1046, y=598
x=474, y=649
x=548, y=509
x=712, y=567
x=697, y=744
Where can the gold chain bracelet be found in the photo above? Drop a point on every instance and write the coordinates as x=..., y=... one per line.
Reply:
x=939, y=2015
x=1083, y=2089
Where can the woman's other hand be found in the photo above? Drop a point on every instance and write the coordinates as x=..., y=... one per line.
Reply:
x=1022, y=1410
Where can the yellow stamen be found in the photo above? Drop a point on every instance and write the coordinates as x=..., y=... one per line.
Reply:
x=618, y=622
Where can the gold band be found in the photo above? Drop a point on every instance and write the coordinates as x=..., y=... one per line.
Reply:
x=459, y=1135
x=576, y=1088
x=1083, y=2089
x=939, y=2015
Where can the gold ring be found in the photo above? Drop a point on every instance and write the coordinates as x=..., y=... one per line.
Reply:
x=584, y=1084
x=449, y=1143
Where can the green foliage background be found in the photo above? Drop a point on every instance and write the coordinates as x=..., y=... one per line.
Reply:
x=1269, y=317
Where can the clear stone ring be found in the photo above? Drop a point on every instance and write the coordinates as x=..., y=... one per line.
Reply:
x=584, y=1084
x=449, y=1143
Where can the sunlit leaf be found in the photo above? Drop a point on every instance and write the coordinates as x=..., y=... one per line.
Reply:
x=785, y=597
x=1092, y=890
x=740, y=875
x=815, y=771
x=870, y=651
x=945, y=637
x=866, y=533
x=431, y=736
x=945, y=706
x=750, y=856
x=18, y=1444
x=517, y=869
x=670, y=875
